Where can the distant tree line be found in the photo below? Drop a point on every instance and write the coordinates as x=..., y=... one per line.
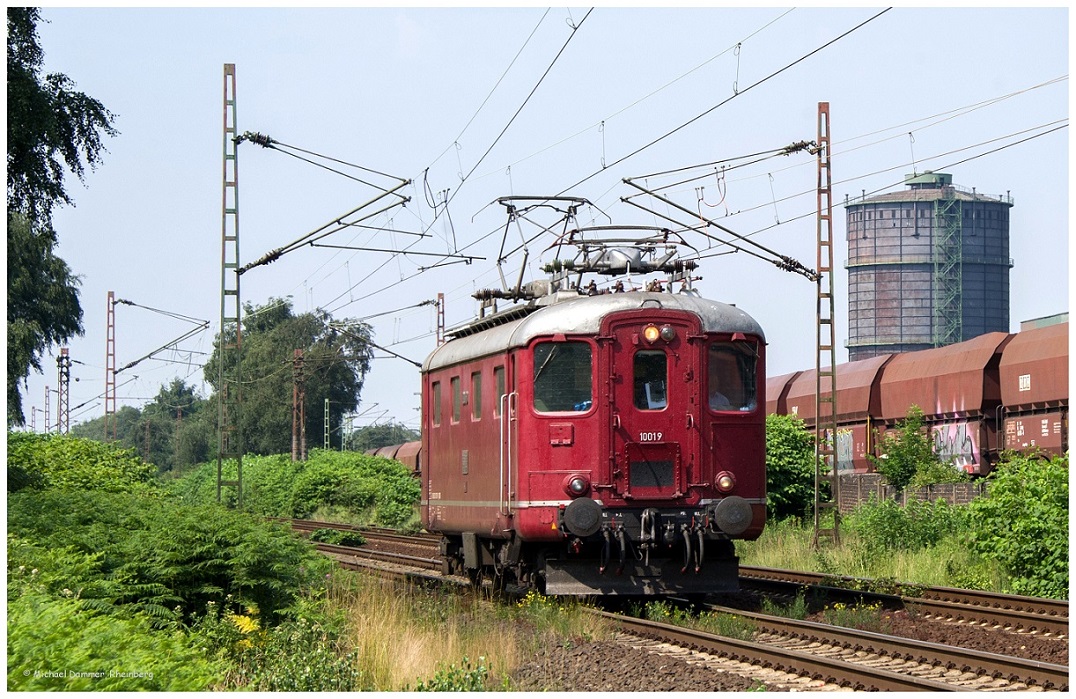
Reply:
x=178, y=428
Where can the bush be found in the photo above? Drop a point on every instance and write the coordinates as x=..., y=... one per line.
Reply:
x=908, y=451
x=887, y=526
x=37, y=461
x=1022, y=523
x=374, y=489
x=462, y=678
x=789, y=467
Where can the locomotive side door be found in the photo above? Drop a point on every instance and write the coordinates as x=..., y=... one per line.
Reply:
x=508, y=423
x=654, y=404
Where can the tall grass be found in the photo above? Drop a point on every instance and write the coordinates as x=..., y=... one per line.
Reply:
x=947, y=563
x=404, y=637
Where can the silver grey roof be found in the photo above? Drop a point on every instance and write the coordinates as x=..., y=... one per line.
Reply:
x=583, y=315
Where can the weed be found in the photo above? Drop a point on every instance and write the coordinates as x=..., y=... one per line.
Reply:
x=796, y=609
x=866, y=617
x=462, y=678
x=340, y=537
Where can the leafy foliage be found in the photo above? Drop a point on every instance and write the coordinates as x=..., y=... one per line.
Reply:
x=51, y=130
x=340, y=537
x=1022, y=523
x=789, y=467
x=886, y=526
x=298, y=655
x=907, y=452
x=334, y=367
x=42, y=304
x=57, y=644
x=372, y=488
x=934, y=472
x=175, y=430
x=59, y=461
x=457, y=678
x=138, y=553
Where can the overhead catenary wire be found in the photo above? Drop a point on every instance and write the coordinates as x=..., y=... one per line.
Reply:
x=273, y=144
x=840, y=150
x=888, y=185
x=652, y=93
x=750, y=87
x=575, y=29
x=753, y=233
x=1051, y=127
x=639, y=150
x=492, y=90
x=202, y=325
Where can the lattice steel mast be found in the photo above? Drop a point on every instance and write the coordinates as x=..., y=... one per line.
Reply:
x=229, y=384
x=110, y=369
x=825, y=430
x=63, y=405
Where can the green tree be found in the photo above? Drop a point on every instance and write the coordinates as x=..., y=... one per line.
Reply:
x=51, y=130
x=907, y=452
x=174, y=433
x=42, y=305
x=789, y=467
x=377, y=436
x=334, y=367
x=175, y=430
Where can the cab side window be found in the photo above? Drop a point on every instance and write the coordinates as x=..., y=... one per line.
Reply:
x=476, y=395
x=731, y=375
x=562, y=377
x=498, y=378
x=457, y=398
x=436, y=400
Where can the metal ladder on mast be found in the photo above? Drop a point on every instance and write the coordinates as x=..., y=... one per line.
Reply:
x=825, y=357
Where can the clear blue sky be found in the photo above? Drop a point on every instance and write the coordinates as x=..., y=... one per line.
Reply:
x=950, y=90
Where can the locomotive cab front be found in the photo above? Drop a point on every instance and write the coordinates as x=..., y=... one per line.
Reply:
x=666, y=469
x=624, y=452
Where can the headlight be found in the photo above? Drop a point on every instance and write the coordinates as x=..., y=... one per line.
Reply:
x=651, y=333
x=725, y=481
x=576, y=485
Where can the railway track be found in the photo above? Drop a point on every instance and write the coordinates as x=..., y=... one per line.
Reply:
x=1009, y=612
x=769, y=663
x=787, y=653
x=965, y=669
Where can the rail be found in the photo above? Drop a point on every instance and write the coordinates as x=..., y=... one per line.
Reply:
x=1029, y=614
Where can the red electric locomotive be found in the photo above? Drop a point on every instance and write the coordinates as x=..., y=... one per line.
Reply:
x=598, y=444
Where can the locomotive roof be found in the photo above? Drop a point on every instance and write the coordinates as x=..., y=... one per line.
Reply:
x=582, y=315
